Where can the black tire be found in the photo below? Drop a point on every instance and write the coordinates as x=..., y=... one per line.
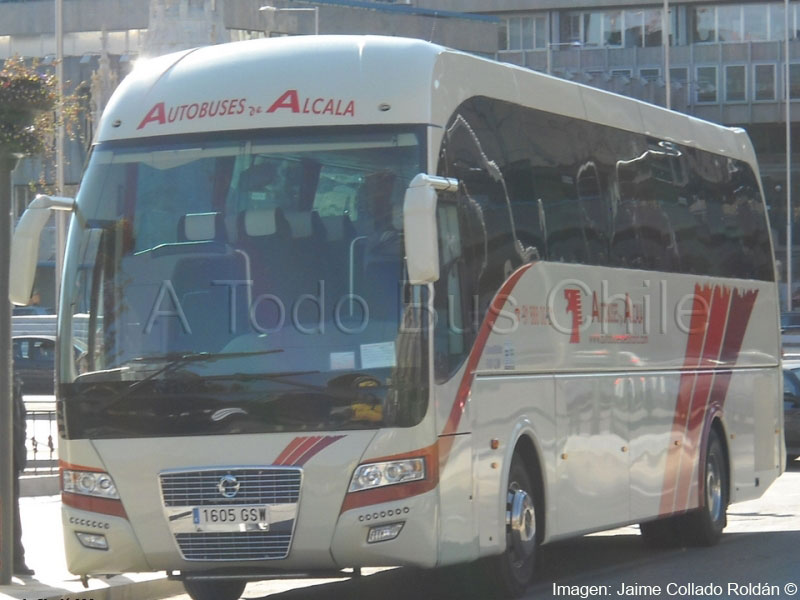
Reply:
x=512, y=571
x=209, y=589
x=704, y=526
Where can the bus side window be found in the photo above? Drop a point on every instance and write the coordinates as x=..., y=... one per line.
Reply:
x=566, y=236
x=451, y=332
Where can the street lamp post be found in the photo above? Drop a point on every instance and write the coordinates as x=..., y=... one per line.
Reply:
x=314, y=9
x=789, y=220
x=665, y=44
x=61, y=219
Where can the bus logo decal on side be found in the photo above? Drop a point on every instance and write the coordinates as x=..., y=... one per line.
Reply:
x=575, y=307
x=301, y=449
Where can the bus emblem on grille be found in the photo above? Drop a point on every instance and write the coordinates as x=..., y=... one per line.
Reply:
x=228, y=486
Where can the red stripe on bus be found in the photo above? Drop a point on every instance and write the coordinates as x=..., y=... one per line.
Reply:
x=288, y=450
x=712, y=349
x=306, y=444
x=316, y=449
x=64, y=465
x=698, y=325
x=104, y=506
x=741, y=310
x=457, y=410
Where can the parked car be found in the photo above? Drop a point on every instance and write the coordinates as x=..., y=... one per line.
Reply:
x=791, y=411
x=34, y=362
x=790, y=331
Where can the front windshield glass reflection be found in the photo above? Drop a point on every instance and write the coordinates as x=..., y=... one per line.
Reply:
x=262, y=274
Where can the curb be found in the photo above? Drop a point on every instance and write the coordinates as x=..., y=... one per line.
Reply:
x=153, y=589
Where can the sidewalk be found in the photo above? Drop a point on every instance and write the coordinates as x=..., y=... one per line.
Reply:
x=44, y=550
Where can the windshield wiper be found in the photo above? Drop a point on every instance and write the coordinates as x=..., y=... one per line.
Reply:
x=260, y=376
x=176, y=360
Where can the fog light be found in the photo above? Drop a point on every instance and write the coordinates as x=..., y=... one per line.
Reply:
x=92, y=540
x=383, y=533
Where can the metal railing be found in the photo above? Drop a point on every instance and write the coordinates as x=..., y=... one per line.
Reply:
x=41, y=442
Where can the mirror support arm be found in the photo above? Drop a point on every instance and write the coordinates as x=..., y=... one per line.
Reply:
x=25, y=244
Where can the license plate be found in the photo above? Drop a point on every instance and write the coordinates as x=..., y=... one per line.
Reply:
x=231, y=518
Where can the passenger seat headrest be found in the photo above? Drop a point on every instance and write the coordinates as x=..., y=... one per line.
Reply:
x=261, y=221
x=300, y=224
x=200, y=226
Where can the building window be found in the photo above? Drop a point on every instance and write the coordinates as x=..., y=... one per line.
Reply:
x=649, y=75
x=502, y=35
x=757, y=20
x=525, y=33
x=615, y=28
x=764, y=82
x=679, y=79
x=794, y=82
x=777, y=23
x=735, y=83
x=741, y=22
x=705, y=24
x=729, y=23
x=642, y=28
x=592, y=34
x=621, y=73
x=706, y=82
x=612, y=28
x=540, y=37
x=571, y=29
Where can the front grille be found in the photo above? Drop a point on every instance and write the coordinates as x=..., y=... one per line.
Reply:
x=254, y=545
x=256, y=486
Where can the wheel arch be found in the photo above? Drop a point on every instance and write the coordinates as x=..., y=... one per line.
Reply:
x=527, y=447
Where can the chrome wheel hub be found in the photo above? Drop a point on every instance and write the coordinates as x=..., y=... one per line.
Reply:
x=521, y=519
x=714, y=489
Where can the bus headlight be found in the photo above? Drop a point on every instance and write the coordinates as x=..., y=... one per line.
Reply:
x=89, y=483
x=373, y=475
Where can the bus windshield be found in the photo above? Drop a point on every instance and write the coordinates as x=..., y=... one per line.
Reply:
x=243, y=283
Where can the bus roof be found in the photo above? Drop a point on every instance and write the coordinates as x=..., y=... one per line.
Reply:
x=363, y=80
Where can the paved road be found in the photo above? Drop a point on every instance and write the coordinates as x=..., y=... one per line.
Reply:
x=758, y=556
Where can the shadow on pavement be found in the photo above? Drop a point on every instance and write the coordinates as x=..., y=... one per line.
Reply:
x=591, y=560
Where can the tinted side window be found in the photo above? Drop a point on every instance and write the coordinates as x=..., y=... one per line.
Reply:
x=497, y=202
x=644, y=222
x=551, y=187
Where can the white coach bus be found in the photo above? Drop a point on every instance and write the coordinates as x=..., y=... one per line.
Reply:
x=365, y=301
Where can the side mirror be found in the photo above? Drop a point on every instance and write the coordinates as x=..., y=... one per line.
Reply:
x=419, y=224
x=25, y=245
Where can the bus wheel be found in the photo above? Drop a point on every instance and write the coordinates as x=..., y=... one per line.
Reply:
x=513, y=569
x=704, y=526
x=200, y=589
